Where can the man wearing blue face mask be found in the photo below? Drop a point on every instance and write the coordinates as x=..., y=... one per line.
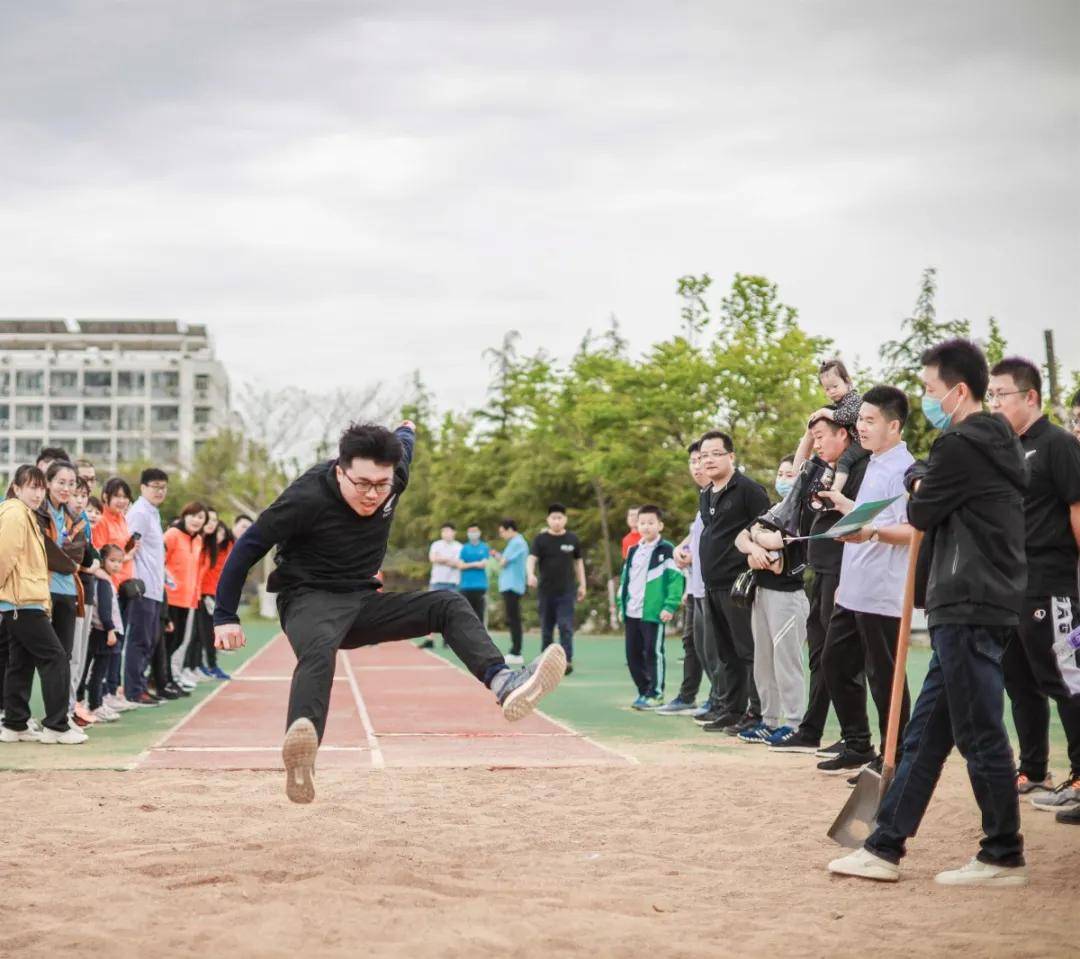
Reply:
x=968, y=499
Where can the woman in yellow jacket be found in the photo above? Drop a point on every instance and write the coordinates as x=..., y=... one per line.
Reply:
x=25, y=607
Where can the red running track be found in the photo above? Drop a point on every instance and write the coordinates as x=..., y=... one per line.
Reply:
x=392, y=705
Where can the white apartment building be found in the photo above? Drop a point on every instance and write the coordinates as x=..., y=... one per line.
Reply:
x=110, y=391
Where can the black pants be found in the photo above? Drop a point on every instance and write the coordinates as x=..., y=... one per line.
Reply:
x=557, y=609
x=63, y=620
x=858, y=641
x=318, y=624
x=645, y=656
x=961, y=704
x=476, y=598
x=99, y=655
x=4, y=655
x=1033, y=676
x=822, y=599
x=512, y=606
x=204, y=634
x=693, y=621
x=33, y=643
x=735, y=645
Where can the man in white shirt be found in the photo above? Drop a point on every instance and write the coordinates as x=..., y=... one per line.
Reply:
x=865, y=624
x=444, y=556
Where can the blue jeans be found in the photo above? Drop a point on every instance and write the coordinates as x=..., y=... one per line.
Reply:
x=557, y=609
x=141, y=632
x=961, y=704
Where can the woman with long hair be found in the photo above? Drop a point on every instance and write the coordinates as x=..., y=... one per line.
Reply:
x=217, y=544
x=25, y=606
x=183, y=566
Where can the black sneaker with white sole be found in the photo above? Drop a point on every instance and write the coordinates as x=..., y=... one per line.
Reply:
x=828, y=752
x=848, y=761
x=721, y=723
x=875, y=766
x=796, y=745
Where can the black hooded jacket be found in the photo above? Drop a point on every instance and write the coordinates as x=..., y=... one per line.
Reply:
x=970, y=504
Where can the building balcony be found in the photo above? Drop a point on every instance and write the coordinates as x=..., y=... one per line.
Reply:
x=56, y=425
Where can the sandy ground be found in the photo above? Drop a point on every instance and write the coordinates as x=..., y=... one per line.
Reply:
x=688, y=854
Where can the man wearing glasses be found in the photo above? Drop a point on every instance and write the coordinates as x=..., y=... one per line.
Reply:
x=331, y=527
x=1034, y=672
x=144, y=519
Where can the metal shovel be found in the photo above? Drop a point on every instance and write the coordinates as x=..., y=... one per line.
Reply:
x=859, y=815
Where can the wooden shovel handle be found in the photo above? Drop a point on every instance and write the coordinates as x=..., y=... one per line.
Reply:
x=903, y=641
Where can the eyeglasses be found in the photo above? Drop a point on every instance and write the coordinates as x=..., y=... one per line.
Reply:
x=714, y=455
x=158, y=487
x=992, y=397
x=64, y=484
x=364, y=488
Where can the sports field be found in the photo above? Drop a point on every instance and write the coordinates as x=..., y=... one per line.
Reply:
x=440, y=830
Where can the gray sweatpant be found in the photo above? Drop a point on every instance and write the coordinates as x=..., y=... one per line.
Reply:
x=779, y=623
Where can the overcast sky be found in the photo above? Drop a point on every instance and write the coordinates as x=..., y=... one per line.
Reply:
x=347, y=191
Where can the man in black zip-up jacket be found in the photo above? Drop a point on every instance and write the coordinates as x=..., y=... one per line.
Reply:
x=968, y=499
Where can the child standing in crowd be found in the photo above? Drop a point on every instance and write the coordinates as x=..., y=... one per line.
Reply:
x=778, y=620
x=512, y=585
x=105, y=630
x=650, y=590
x=846, y=402
x=89, y=569
x=25, y=603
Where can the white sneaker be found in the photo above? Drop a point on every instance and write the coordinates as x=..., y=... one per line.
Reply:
x=978, y=873
x=33, y=725
x=190, y=677
x=72, y=737
x=105, y=715
x=19, y=735
x=863, y=863
x=512, y=660
x=118, y=704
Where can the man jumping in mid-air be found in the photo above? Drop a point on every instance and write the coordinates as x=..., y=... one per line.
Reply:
x=331, y=527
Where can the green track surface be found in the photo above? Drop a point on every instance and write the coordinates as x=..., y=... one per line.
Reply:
x=117, y=745
x=595, y=699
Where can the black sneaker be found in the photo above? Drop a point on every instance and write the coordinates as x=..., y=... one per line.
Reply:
x=1069, y=816
x=709, y=717
x=875, y=766
x=847, y=761
x=427, y=644
x=569, y=669
x=829, y=752
x=721, y=723
x=166, y=693
x=799, y=744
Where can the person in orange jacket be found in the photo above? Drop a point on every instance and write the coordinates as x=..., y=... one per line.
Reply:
x=217, y=544
x=183, y=572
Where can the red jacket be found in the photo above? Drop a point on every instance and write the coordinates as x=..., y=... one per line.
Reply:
x=183, y=562
x=113, y=528
x=211, y=574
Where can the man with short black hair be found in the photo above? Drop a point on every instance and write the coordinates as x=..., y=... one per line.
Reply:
x=144, y=610
x=473, y=557
x=512, y=574
x=730, y=503
x=50, y=455
x=555, y=561
x=1033, y=672
x=865, y=624
x=331, y=527
x=968, y=499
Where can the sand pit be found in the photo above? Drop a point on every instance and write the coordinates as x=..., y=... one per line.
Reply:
x=692, y=853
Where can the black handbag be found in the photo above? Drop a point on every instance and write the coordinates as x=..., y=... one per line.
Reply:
x=744, y=588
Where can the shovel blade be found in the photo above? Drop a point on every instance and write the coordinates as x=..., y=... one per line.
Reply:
x=856, y=820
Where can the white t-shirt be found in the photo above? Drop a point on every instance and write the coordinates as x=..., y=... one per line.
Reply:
x=440, y=554
x=639, y=576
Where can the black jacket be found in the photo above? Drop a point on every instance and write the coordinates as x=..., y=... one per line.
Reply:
x=970, y=505
x=725, y=514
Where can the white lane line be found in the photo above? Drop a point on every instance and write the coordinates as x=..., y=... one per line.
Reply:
x=569, y=735
x=277, y=679
x=184, y=720
x=377, y=760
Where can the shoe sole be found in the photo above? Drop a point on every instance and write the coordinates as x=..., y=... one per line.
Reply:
x=999, y=881
x=298, y=753
x=794, y=750
x=875, y=877
x=1067, y=804
x=846, y=771
x=524, y=699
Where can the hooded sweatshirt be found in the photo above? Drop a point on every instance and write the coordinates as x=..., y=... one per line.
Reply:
x=970, y=504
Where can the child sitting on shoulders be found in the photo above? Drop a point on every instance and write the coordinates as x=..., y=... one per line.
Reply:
x=846, y=402
x=650, y=590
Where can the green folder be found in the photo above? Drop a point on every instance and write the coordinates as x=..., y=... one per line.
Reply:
x=853, y=522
